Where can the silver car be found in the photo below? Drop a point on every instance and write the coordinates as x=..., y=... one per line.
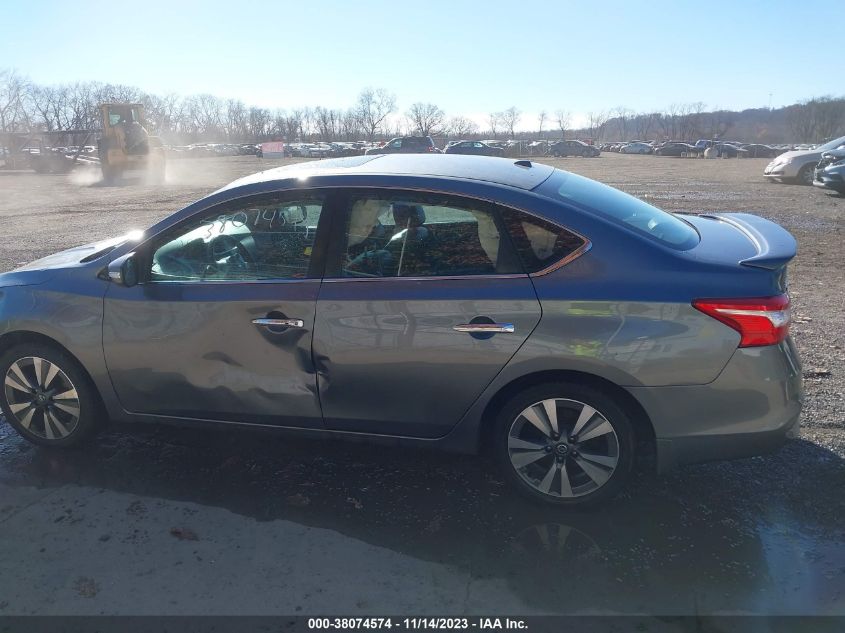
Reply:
x=456, y=302
x=798, y=166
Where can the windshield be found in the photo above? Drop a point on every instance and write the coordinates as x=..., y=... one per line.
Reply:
x=633, y=212
x=834, y=144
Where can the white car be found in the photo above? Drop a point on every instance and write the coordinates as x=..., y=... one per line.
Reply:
x=798, y=166
x=636, y=148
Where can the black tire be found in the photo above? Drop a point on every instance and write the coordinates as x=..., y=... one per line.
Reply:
x=90, y=410
x=805, y=175
x=608, y=408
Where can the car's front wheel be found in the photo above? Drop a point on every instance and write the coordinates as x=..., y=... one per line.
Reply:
x=47, y=397
x=564, y=444
x=805, y=176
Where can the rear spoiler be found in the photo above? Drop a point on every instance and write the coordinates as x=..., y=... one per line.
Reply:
x=775, y=245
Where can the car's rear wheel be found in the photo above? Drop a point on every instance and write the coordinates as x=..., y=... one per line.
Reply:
x=564, y=444
x=805, y=176
x=47, y=397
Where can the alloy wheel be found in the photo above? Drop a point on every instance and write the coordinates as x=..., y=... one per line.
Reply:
x=42, y=398
x=806, y=176
x=563, y=448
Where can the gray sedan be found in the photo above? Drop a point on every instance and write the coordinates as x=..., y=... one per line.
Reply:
x=463, y=303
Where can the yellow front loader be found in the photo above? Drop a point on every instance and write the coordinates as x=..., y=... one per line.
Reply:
x=126, y=149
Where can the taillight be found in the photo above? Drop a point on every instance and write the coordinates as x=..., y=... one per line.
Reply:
x=760, y=322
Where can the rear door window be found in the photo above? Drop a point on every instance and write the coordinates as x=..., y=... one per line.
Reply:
x=409, y=234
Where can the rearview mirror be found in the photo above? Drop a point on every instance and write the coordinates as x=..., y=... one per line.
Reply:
x=124, y=270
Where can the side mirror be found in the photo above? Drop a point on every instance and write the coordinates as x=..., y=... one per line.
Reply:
x=124, y=270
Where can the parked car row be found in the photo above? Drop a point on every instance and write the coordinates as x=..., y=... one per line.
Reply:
x=724, y=149
x=198, y=150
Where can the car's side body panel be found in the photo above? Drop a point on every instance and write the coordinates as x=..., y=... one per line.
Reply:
x=388, y=357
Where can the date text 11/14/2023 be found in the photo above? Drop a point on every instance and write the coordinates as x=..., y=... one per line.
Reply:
x=418, y=624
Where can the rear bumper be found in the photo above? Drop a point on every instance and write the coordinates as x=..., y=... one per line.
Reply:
x=752, y=408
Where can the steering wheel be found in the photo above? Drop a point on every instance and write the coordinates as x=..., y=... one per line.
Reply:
x=228, y=251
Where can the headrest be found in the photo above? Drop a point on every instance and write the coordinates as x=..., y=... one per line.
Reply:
x=408, y=215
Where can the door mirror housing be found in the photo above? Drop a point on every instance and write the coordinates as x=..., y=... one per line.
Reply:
x=124, y=270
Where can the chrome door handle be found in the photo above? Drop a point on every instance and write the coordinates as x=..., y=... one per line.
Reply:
x=485, y=328
x=279, y=322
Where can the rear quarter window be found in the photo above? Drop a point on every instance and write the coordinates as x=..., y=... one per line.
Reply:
x=635, y=214
x=539, y=243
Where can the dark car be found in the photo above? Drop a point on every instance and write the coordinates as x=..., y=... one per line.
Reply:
x=573, y=148
x=476, y=148
x=757, y=150
x=729, y=150
x=830, y=172
x=406, y=145
x=458, y=302
x=676, y=149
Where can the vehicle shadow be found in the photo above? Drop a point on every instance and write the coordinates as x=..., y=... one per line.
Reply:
x=722, y=537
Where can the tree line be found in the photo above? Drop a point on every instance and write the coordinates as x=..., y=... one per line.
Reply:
x=26, y=106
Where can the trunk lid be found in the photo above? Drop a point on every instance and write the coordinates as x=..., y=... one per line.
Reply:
x=743, y=239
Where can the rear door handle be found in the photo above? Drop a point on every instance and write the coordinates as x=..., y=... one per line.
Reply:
x=279, y=322
x=485, y=328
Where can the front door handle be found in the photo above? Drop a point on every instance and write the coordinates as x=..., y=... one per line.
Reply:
x=485, y=328
x=279, y=322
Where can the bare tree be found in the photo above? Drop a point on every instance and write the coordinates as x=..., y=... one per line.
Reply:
x=623, y=116
x=426, y=119
x=562, y=118
x=350, y=125
x=644, y=124
x=494, y=119
x=373, y=108
x=14, y=92
x=327, y=122
x=235, y=120
x=293, y=124
x=510, y=119
x=461, y=127
x=541, y=120
x=596, y=124
x=259, y=121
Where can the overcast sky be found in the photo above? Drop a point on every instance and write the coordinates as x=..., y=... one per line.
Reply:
x=469, y=58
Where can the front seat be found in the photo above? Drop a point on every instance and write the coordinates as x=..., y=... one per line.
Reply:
x=410, y=241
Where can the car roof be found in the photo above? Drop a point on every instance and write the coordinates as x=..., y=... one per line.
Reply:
x=522, y=174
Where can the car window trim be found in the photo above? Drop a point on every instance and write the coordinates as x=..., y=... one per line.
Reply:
x=337, y=237
x=316, y=264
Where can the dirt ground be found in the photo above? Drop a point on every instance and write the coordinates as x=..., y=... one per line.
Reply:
x=377, y=531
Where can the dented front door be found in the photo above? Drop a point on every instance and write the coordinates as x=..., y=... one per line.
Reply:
x=194, y=351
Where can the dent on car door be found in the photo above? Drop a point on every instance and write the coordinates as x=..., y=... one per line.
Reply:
x=425, y=300
x=220, y=327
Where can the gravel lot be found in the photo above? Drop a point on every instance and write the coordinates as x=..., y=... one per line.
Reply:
x=164, y=520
